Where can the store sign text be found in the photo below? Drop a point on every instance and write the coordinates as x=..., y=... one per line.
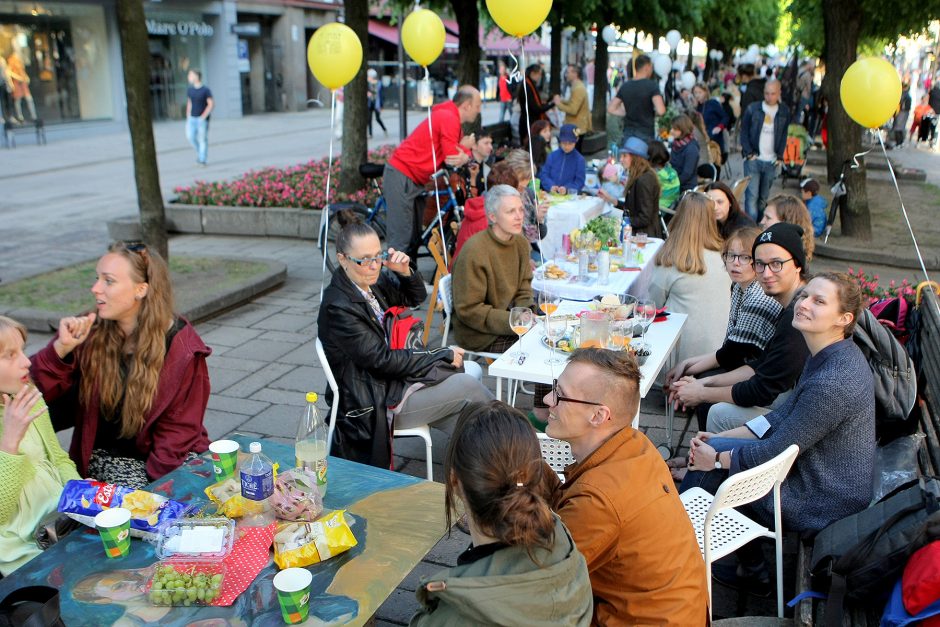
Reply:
x=197, y=29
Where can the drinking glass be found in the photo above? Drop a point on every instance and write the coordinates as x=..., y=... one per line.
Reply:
x=644, y=313
x=549, y=301
x=521, y=320
x=619, y=335
x=555, y=329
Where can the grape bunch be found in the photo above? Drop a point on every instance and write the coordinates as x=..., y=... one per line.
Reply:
x=175, y=584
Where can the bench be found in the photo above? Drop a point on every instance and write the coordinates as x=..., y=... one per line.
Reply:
x=10, y=131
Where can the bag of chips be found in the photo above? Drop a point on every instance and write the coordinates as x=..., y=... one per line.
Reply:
x=296, y=495
x=83, y=499
x=298, y=544
x=227, y=495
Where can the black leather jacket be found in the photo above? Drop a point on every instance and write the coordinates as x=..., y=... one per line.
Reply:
x=370, y=375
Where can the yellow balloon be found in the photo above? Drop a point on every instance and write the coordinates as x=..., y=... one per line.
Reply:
x=422, y=35
x=870, y=91
x=334, y=55
x=519, y=17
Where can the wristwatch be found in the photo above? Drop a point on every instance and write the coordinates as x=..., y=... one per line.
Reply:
x=718, y=465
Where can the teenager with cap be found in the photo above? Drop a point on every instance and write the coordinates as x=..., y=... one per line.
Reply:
x=728, y=400
x=641, y=197
x=563, y=172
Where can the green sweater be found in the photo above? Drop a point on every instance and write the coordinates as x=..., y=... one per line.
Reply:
x=490, y=278
x=30, y=485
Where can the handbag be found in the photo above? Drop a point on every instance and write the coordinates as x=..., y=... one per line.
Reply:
x=32, y=606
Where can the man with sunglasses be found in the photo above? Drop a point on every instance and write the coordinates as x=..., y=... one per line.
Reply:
x=619, y=501
x=728, y=400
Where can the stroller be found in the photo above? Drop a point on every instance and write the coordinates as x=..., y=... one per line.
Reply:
x=794, y=155
x=927, y=130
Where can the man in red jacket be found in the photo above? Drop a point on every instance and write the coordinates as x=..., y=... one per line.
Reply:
x=412, y=165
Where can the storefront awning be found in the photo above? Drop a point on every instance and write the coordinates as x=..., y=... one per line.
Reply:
x=496, y=41
x=389, y=33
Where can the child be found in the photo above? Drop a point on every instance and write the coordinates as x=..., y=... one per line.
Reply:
x=668, y=177
x=563, y=172
x=816, y=205
x=33, y=467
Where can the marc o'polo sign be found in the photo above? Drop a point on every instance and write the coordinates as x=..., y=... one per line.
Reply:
x=183, y=28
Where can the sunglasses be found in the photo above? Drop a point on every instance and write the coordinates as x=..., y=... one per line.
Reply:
x=368, y=261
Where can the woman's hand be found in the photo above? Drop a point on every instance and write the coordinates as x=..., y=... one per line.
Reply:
x=458, y=356
x=689, y=392
x=606, y=197
x=398, y=262
x=676, y=373
x=702, y=456
x=72, y=332
x=541, y=210
x=704, y=435
x=16, y=418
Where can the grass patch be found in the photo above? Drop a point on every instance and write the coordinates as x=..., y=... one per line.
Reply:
x=68, y=290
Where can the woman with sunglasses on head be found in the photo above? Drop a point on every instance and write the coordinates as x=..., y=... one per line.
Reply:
x=522, y=566
x=131, y=375
x=381, y=388
x=728, y=212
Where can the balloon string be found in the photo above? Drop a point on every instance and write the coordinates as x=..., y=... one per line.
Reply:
x=326, y=209
x=514, y=75
x=437, y=196
x=535, y=194
x=907, y=220
x=855, y=163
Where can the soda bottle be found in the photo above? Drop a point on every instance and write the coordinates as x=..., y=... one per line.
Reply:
x=603, y=266
x=310, y=449
x=257, y=478
x=626, y=235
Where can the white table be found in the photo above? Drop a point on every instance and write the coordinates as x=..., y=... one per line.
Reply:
x=663, y=338
x=572, y=288
x=564, y=217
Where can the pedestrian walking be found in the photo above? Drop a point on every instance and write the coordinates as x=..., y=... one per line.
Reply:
x=374, y=95
x=199, y=106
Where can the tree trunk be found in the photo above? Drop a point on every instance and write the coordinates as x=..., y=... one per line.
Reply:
x=467, y=15
x=355, y=108
x=599, y=110
x=842, y=21
x=554, y=82
x=135, y=58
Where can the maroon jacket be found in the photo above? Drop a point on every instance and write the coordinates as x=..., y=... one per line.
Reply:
x=174, y=426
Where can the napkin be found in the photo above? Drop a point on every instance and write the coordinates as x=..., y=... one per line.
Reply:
x=251, y=553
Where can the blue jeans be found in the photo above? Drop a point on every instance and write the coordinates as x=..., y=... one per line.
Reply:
x=197, y=132
x=762, y=175
x=505, y=109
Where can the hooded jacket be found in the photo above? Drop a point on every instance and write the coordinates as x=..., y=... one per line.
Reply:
x=564, y=169
x=474, y=221
x=171, y=430
x=508, y=588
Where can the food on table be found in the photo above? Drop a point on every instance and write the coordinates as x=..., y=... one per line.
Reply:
x=227, y=495
x=296, y=496
x=553, y=271
x=186, y=583
x=83, y=499
x=604, y=229
x=610, y=299
x=298, y=544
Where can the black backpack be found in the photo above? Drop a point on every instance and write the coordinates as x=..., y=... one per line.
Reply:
x=860, y=557
x=894, y=374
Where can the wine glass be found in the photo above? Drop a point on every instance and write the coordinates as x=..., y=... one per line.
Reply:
x=644, y=314
x=555, y=329
x=521, y=320
x=620, y=334
x=549, y=301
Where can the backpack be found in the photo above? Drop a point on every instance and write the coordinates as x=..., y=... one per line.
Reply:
x=893, y=313
x=894, y=376
x=860, y=557
x=403, y=329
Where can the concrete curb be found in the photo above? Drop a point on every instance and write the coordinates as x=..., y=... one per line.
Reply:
x=269, y=221
x=863, y=256
x=873, y=162
x=205, y=305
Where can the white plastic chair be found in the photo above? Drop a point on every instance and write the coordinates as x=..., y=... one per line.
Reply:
x=721, y=530
x=446, y=296
x=423, y=432
x=556, y=453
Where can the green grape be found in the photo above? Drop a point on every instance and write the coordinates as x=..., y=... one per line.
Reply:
x=201, y=594
x=187, y=602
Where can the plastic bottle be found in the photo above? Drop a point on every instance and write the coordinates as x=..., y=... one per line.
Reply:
x=603, y=265
x=257, y=477
x=310, y=449
x=626, y=234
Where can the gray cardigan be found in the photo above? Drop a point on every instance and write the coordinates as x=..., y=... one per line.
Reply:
x=831, y=417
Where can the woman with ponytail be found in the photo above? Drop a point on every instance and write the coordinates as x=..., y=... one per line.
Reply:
x=522, y=567
x=131, y=377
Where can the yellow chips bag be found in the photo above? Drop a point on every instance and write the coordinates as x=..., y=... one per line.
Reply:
x=298, y=544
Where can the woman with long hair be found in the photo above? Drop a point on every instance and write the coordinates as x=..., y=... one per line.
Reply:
x=540, y=140
x=830, y=415
x=531, y=107
x=380, y=387
x=687, y=275
x=787, y=208
x=522, y=567
x=728, y=212
x=685, y=152
x=33, y=467
x=641, y=195
x=131, y=375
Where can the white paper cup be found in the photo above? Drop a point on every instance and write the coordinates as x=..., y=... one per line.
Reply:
x=114, y=517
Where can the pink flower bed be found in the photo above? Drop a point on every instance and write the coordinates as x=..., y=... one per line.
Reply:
x=301, y=186
x=874, y=292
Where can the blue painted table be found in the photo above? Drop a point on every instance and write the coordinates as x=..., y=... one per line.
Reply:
x=398, y=519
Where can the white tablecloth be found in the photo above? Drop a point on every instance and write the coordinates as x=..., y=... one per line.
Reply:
x=566, y=216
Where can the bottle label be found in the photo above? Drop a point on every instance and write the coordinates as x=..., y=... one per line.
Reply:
x=321, y=472
x=258, y=487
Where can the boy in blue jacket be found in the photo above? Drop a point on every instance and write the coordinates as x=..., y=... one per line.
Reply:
x=563, y=172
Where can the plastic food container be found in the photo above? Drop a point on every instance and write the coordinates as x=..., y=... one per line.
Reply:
x=191, y=569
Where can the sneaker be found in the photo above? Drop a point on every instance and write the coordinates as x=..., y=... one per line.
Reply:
x=753, y=580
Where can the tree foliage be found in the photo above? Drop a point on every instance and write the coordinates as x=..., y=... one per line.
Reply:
x=730, y=25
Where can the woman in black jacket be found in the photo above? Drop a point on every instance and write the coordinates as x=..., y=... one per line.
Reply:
x=382, y=388
x=685, y=152
x=537, y=109
x=641, y=196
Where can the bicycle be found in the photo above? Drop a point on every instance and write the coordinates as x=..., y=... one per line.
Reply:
x=839, y=200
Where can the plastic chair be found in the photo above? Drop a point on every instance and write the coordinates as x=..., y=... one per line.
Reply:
x=738, y=188
x=437, y=252
x=423, y=432
x=446, y=296
x=556, y=453
x=721, y=530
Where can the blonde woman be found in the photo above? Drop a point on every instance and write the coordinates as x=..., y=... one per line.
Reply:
x=790, y=209
x=132, y=374
x=688, y=276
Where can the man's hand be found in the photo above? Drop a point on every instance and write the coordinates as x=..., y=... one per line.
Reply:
x=458, y=356
x=689, y=392
x=455, y=161
x=398, y=262
x=556, y=99
x=16, y=418
x=541, y=210
x=676, y=373
x=468, y=141
x=701, y=456
x=72, y=332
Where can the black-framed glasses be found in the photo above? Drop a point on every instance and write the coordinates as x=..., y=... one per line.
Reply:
x=775, y=266
x=744, y=260
x=367, y=261
x=135, y=246
x=557, y=398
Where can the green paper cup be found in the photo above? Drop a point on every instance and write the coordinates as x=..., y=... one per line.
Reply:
x=114, y=527
x=224, y=458
x=293, y=593
x=538, y=187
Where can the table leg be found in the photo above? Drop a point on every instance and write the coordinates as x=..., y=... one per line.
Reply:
x=499, y=388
